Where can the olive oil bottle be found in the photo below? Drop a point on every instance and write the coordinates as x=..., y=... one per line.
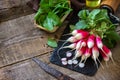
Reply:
x=93, y=3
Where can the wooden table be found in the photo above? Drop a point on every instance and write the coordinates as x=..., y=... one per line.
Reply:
x=20, y=40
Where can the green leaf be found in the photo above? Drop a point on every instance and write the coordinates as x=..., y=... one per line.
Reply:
x=113, y=35
x=81, y=25
x=52, y=43
x=102, y=15
x=51, y=21
x=109, y=43
x=83, y=14
x=72, y=27
x=93, y=14
x=50, y=12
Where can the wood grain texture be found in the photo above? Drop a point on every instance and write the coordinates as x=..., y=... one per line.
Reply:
x=20, y=40
x=11, y=9
x=29, y=70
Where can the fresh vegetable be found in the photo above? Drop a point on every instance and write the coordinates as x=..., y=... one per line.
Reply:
x=93, y=35
x=79, y=52
x=91, y=41
x=95, y=54
x=90, y=46
x=81, y=43
x=50, y=13
x=107, y=52
x=81, y=35
x=99, y=42
x=52, y=42
x=97, y=22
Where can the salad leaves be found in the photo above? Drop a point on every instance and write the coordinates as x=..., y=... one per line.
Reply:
x=50, y=13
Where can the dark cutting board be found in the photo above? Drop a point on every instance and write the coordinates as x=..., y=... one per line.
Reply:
x=90, y=67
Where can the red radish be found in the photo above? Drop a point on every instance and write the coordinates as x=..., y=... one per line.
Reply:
x=71, y=46
x=91, y=41
x=88, y=52
x=78, y=45
x=81, y=43
x=83, y=58
x=95, y=54
x=79, y=52
x=107, y=52
x=81, y=35
x=105, y=57
x=74, y=32
x=71, y=39
x=99, y=42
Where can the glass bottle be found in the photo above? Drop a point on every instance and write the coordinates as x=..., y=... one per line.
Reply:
x=93, y=3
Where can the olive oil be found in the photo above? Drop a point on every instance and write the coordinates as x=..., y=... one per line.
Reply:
x=93, y=3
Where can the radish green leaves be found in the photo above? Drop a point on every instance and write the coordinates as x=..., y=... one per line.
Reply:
x=97, y=22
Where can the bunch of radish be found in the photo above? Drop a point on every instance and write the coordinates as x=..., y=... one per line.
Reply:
x=87, y=45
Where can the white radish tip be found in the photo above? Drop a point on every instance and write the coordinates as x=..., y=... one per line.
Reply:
x=64, y=62
x=81, y=65
x=63, y=59
x=68, y=54
x=100, y=45
x=75, y=61
x=90, y=44
x=78, y=36
x=78, y=54
x=106, y=59
x=70, y=62
x=83, y=44
x=74, y=32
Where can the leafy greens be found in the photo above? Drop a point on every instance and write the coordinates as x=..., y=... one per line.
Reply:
x=50, y=13
x=97, y=22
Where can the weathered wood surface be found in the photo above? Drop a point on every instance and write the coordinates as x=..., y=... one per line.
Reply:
x=20, y=40
x=10, y=9
x=28, y=70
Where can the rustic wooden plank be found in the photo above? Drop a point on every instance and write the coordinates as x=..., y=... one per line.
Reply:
x=11, y=9
x=20, y=40
x=28, y=70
